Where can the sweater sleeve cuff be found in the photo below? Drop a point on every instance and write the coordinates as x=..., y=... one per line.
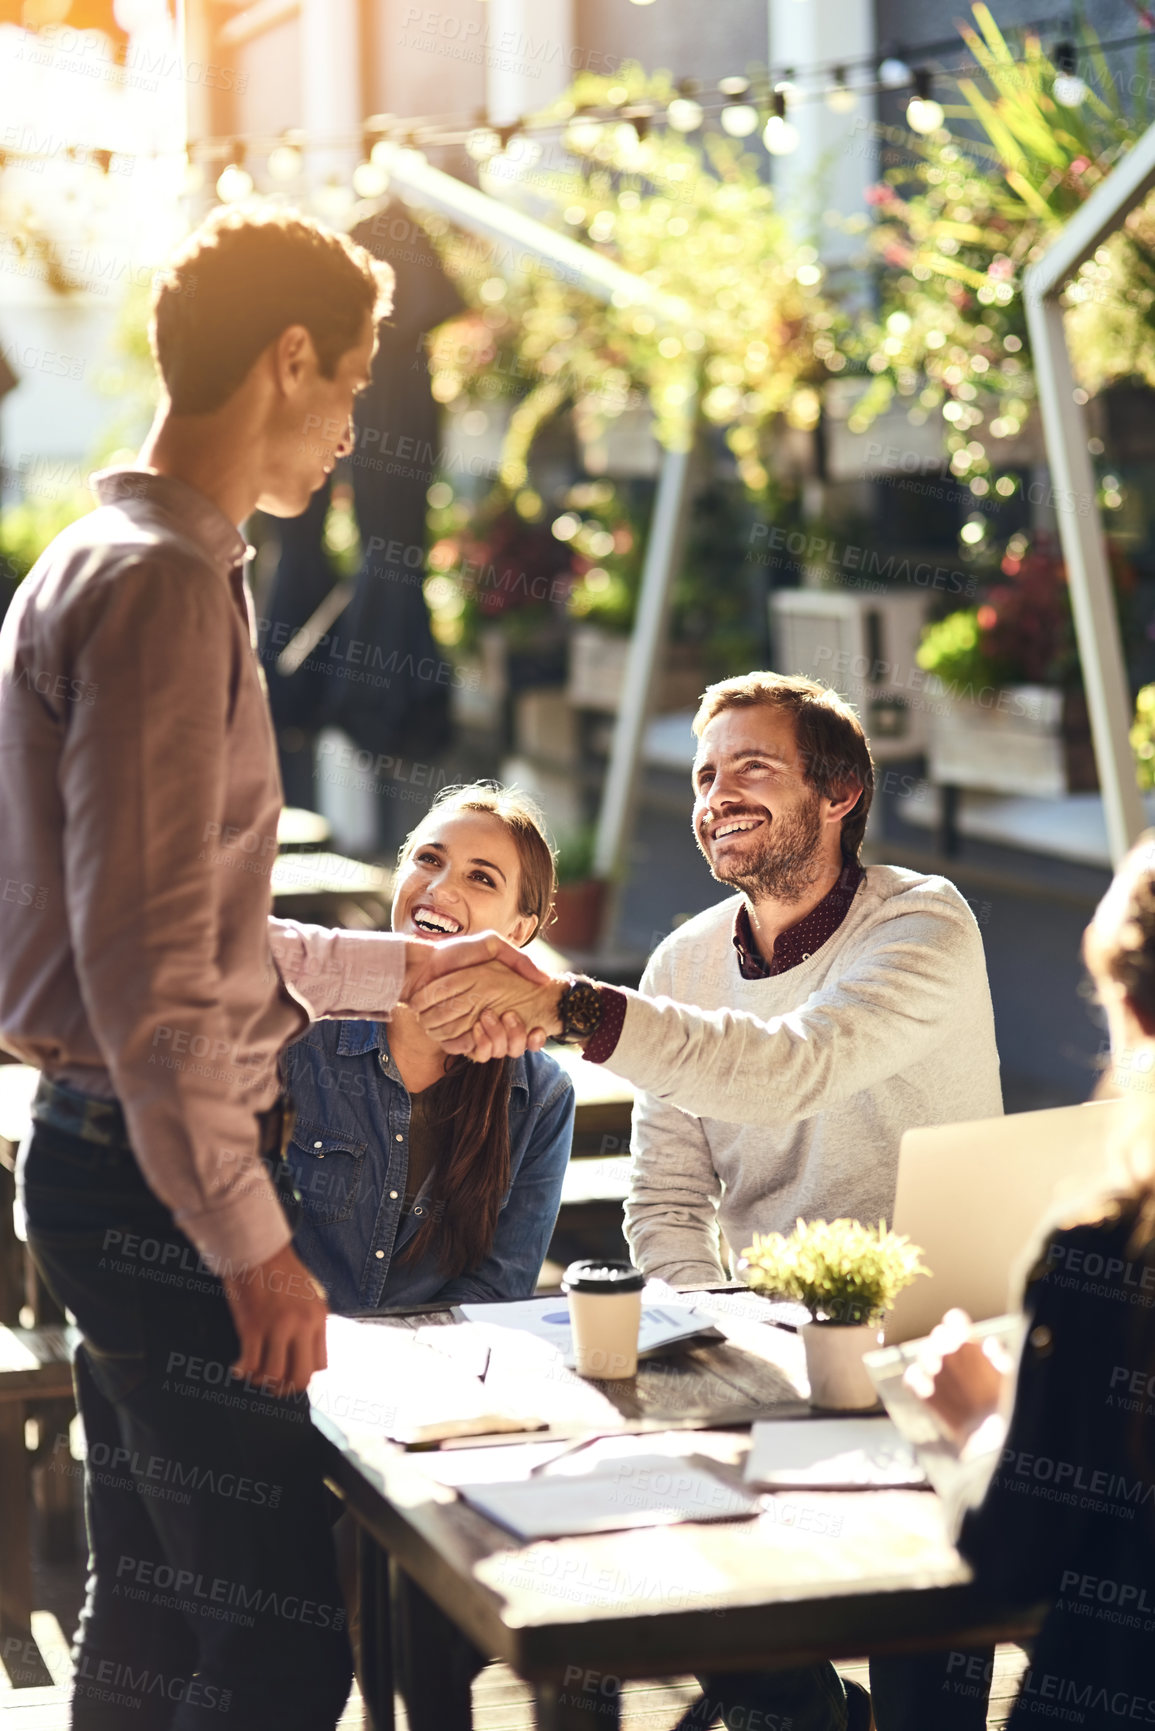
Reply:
x=609, y=1028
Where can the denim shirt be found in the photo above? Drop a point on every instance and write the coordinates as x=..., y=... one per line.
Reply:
x=350, y=1155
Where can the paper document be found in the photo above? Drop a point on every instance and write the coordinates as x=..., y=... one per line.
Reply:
x=548, y=1319
x=642, y=1491
x=389, y=1381
x=831, y=1454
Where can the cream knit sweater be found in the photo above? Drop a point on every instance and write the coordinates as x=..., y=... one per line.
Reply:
x=788, y=1099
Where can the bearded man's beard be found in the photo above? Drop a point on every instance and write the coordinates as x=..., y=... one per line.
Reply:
x=786, y=863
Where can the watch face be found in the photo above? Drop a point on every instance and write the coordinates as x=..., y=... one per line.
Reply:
x=581, y=1010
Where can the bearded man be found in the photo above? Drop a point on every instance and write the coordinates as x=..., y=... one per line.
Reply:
x=782, y=1042
x=785, y=1039
x=871, y=981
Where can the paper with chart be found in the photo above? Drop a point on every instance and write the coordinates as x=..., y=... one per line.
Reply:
x=547, y=1319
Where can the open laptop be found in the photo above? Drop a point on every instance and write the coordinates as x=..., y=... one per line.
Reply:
x=973, y=1196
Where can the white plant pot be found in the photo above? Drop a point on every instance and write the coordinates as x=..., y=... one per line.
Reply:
x=839, y=1381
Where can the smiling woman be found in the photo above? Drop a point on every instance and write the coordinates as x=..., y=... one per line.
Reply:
x=424, y=1178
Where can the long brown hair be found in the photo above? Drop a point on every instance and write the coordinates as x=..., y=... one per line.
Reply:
x=472, y=1173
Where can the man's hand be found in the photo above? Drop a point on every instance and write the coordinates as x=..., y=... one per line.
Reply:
x=960, y=1379
x=428, y=959
x=279, y=1311
x=451, y=1008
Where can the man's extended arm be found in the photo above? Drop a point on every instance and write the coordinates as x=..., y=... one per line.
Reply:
x=917, y=981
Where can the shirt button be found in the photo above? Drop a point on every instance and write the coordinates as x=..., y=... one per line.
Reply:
x=379, y=1254
x=318, y=1144
x=398, y=1138
x=392, y=1198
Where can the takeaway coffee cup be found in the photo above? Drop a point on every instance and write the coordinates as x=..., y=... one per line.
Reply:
x=605, y=1309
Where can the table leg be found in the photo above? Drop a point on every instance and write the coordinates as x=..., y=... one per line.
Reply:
x=574, y=1707
x=376, y=1631
x=435, y=1662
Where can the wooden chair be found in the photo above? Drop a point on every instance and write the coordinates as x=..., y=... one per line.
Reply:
x=35, y=1380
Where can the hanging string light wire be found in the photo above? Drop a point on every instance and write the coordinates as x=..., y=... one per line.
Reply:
x=739, y=107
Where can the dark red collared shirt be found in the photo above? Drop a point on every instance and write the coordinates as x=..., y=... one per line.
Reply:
x=798, y=942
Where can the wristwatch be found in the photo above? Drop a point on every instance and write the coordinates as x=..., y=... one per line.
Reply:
x=579, y=1009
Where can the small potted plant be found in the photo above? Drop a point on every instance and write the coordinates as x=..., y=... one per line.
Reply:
x=580, y=900
x=847, y=1275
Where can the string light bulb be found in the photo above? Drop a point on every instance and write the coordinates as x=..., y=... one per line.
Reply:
x=370, y=179
x=1068, y=89
x=779, y=137
x=893, y=73
x=235, y=183
x=284, y=162
x=739, y=119
x=923, y=113
x=840, y=99
x=684, y=114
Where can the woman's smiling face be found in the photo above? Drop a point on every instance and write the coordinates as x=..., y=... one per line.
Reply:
x=462, y=873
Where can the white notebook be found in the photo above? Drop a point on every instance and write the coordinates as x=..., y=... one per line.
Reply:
x=639, y=1491
x=831, y=1454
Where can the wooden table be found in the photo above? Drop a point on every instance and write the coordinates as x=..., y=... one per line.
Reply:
x=816, y=1576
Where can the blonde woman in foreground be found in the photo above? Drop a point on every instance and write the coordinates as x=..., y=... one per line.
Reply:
x=1068, y=1516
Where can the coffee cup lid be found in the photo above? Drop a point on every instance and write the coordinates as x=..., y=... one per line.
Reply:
x=602, y=1277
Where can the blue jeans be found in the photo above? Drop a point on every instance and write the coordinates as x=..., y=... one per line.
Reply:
x=212, y=1581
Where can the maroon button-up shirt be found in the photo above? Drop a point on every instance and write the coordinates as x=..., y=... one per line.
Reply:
x=799, y=941
x=796, y=944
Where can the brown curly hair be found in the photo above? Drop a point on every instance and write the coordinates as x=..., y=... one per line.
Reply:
x=239, y=280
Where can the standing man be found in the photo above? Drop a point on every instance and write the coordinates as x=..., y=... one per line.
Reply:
x=141, y=972
x=782, y=1041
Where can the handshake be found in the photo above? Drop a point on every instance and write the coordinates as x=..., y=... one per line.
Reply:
x=481, y=996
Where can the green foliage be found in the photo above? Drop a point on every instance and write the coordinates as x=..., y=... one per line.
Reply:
x=27, y=528
x=575, y=855
x=842, y=1271
x=740, y=301
x=1022, y=632
x=958, y=224
x=1143, y=738
x=952, y=650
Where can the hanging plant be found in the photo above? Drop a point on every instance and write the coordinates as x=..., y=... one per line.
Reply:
x=959, y=223
x=740, y=319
